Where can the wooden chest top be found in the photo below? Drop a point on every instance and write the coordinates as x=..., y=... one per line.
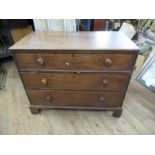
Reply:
x=75, y=41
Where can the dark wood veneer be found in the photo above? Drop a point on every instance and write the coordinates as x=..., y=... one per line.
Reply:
x=75, y=98
x=75, y=81
x=98, y=62
x=93, y=74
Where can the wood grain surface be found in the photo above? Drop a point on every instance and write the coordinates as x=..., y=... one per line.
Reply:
x=75, y=81
x=138, y=115
x=75, y=98
x=96, y=62
x=89, y=52
x=75, y=41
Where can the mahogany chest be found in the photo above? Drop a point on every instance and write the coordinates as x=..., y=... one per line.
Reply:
x=75, y=70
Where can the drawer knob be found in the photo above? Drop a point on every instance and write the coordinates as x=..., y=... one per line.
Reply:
x=105, y=82
x=102, y=99
x=48, y=98
x=44, y=81
x=40, y=61
x=108, y=62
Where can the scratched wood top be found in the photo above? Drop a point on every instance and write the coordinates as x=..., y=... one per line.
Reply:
x=75, y=41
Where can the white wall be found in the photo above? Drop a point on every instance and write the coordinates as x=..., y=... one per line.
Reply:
x=49, y=25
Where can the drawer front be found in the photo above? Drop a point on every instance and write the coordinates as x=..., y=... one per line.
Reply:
x=75, y=81
x=75, y=98
x=99, y=62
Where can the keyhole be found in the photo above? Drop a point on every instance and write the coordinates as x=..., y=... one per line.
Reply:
x=67, y=63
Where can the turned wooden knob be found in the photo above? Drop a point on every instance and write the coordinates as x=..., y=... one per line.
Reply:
x=44, y=81
x=49, y=97
x=40, y=61
x=105, y=82
x=102, y=99
x=108, y=62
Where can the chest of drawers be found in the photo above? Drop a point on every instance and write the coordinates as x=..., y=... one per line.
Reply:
x=75, y=70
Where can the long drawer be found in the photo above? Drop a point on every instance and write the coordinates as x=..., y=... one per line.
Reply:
x=75, y=81
x=68, y=61
x=75, y=98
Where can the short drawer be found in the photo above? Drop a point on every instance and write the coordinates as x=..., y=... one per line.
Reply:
x=75, y=98
x=60, y=61
x=75, y=81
